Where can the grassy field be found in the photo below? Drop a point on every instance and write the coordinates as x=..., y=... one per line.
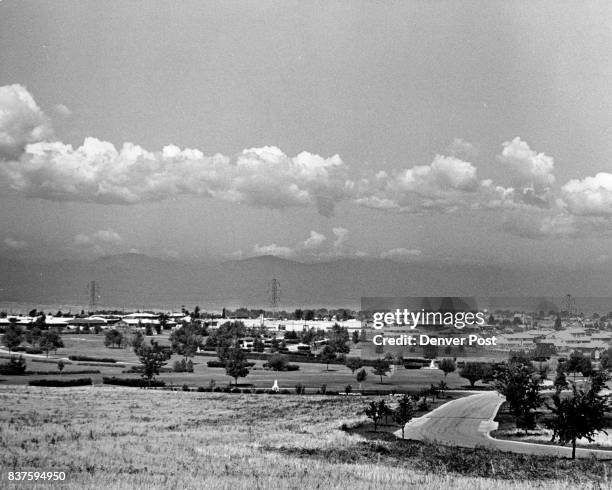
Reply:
x=117, y=438
x=310, y=375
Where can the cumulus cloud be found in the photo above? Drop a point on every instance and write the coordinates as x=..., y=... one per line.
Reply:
x=99, y=237
x=535, y=226
x=21, y=121
x=15, y=244
x=314, y=241
x=401, y=254
x=62, y=110
x=462, y=149
x=591, y=196
x=529, y=169
x=273, y=249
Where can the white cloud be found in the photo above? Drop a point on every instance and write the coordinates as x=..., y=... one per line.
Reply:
x=341, y=235
x=15, y=244
x=401, y=254
x=529, y=169
x=21, y=121
x=538, y=225
x=273, y=249
x=462, y=149
x=99, y=237
x=62, y=110
x=314, y=241
x=591, y=196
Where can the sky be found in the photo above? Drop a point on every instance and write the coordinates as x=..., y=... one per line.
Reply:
x=475, y=131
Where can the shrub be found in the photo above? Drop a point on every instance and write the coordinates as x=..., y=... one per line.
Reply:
x=33, y=350
x=95, y=359
x=185, y=388
x=201, y=389
x=323, y=389
x=235, y=390
x=15, y=366
x=134, y=382
x=348, y=389
x=284, y=392
x=422, y=405
x=215, y=364
x=180, y=366
x=61, y=382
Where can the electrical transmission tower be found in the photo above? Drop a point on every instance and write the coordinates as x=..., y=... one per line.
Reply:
x=93, y=291
x=274, y=293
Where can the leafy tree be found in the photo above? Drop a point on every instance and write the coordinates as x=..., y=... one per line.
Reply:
x=13, y=336
x=309, y=315
x=361, y=376
x=339, y=339
x=152, y=357
x=60, y=365
x=560, y=381
x=298, y=314
x=354, y=363
x=430, y=351
x=543, y=352
x=580, y=415
x=355, y=336
x=381, y=368
x=113, y=337
x=51, y=340
x=473, y=372
x=442, y=387
x=376, y=411
x=404, y=412
x=186, y=340
x=258, y=345
x=447, y=366
x=558, y=324
x=278, y=362
x=605, y=359
x=137, y=340
x=15, y=366
x=521, y=387
x=236, y=365
x=32, y=335
x=577, y=362
x=328, y=354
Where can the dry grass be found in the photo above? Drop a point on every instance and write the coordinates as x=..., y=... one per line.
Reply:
x=108, y=437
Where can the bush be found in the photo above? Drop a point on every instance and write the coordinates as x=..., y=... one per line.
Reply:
x=185, y=388
x=133, y=382
x=33, y=350
x=95, y=359
x=348, y=389
x=215, y=364
x=284, y=392
x=51, y=373
x=323, y=389
x=15, y=366
x=201, y=389
x=61, y=382
x=422, y=405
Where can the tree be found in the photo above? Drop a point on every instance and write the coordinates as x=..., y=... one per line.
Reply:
x=278, y=362
x=558, y=324
x=361, y=376
x=113, y=337
x=186, y=340
x=543, y=352
x=404, y=412
x=298, y=314
x=517, y=382
x=381, y=368
x=473, y=372
x=354, y=363
x=580, y=415
x=376, y=411
x=13, y=336
x=560, y=381
x=430, y=351
x=577, y=362
x=447, y=366
x=605, y=359
x=137, y=340
x=339, y=339
x=328, y=355
x=236, y=364
x=50, y=340
x=152, y=357
x=355, y=337
x=32, y=336
x=258, y=345
x=60, y=365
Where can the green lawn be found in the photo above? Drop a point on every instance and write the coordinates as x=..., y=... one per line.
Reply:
x=311, y=375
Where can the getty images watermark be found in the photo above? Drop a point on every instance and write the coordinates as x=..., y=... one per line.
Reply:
x=432, y=321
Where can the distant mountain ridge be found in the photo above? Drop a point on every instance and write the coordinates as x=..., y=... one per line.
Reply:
x=135, y=280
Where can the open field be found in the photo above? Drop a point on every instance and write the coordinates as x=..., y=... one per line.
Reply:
x=311, y=375
x=107, y=437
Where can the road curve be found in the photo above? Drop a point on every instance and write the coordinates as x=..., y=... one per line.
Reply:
x=466, y=422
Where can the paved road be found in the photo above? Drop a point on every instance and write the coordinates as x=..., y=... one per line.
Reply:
x=466, y=422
